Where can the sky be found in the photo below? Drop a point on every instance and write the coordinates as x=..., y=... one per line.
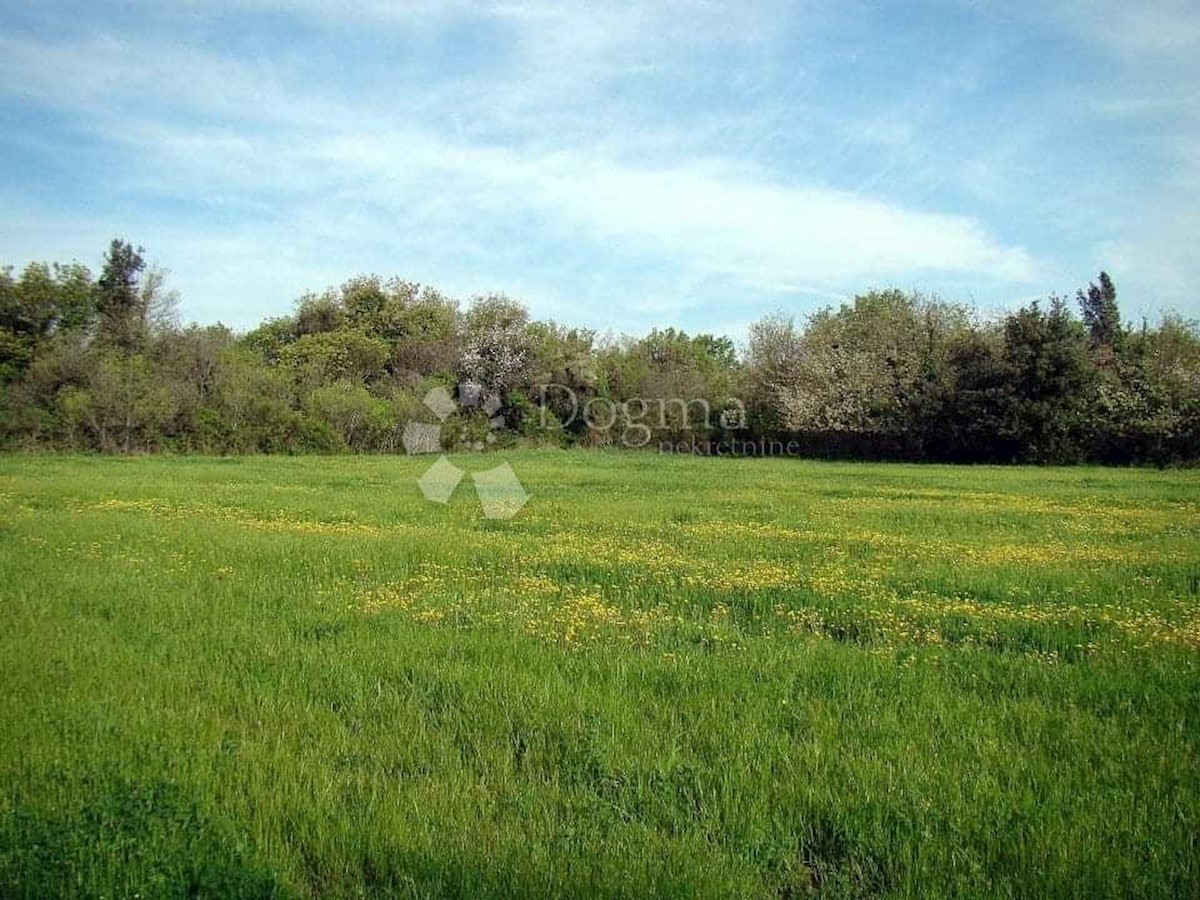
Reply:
x=619, y=166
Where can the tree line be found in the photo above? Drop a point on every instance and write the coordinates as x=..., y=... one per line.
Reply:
x=102, y=363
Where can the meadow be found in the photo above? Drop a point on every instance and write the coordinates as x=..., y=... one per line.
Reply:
x=667, y=676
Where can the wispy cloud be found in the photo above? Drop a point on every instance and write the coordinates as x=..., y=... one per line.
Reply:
x=614, y=164
x=1152, y=34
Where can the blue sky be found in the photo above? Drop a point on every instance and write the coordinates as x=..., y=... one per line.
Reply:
x=615, y=165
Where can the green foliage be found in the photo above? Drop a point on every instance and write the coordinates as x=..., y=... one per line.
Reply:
x=322, y=357
x=360, y=420
x=772, y=358
x=1102, y=318
x=1052, y=383
x=122, y=405
x=319, y=315
x=425, y=336
x=269, y=339
x=968, y=419
x=667, y=386
x=864, y=369
x=44, y=301
x=119, y=304
x=251, y=409
x=888, y=374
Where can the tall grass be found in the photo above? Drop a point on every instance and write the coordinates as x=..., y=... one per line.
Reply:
x=294, y=677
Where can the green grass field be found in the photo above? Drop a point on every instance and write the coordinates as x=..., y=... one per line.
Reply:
x=295, y=677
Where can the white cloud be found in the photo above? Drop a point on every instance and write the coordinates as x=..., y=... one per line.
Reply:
x=767, y=233
x=1144, y=33
x=706, y=215
x=538, y=177
x=357, y=178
